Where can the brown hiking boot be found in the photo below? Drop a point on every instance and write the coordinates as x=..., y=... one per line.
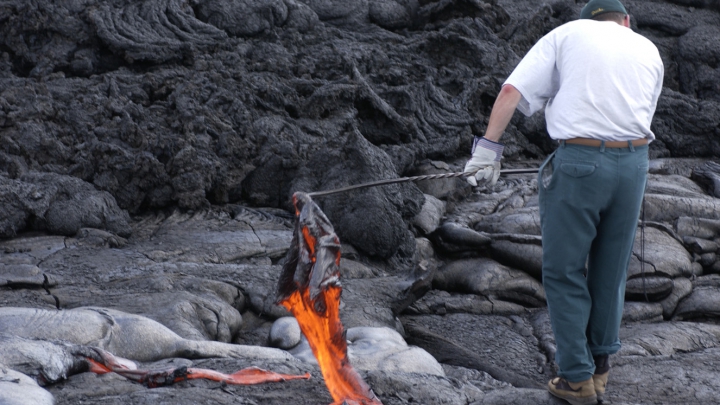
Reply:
x=602, y=370
x=579, y=393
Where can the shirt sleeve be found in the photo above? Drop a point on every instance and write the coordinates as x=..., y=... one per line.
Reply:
x=658, y=90
x=536, y=77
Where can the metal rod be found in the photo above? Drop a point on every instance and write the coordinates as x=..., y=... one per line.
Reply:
x=414, y=178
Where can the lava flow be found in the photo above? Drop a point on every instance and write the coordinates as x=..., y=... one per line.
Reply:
x=164, y=377
x=309, y=287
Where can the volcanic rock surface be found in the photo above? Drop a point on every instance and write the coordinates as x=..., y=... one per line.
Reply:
x=149, y=149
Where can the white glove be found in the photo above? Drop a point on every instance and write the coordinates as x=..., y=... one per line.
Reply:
x=485, y=161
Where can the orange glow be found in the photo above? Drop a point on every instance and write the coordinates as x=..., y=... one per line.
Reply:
x=247, y=376
x=156, y=378
x=98, y=368
x=327, y=340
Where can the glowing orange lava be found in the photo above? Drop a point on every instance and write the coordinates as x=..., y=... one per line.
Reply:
x=310, y=288
x=156, y=378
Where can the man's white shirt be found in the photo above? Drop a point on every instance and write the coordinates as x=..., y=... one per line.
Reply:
x=596, y=79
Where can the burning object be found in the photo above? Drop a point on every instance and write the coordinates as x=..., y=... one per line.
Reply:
x=309, y=287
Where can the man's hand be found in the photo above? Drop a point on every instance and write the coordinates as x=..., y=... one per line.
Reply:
x=485, y=161
x=486, y=151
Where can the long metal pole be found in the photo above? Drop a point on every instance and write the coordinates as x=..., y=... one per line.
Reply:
x=414, y=178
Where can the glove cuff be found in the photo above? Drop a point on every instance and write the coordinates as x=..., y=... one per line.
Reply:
x=488, y=144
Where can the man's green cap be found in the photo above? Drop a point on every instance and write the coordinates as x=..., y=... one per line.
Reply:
x=596, y=7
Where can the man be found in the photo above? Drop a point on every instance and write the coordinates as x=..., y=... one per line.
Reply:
x=599, y=83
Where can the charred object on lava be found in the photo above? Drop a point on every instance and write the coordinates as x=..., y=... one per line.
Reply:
x=309, y=287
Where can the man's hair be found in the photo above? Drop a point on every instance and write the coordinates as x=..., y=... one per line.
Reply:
x=610, y=16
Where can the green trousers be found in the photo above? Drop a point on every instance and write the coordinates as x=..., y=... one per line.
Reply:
x=589, y=210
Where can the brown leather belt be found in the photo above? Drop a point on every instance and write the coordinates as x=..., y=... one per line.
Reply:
x=608, y=144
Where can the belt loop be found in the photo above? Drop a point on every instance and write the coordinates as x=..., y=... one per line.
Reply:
x=630, y=145
x=562, y=143
x=602, y=146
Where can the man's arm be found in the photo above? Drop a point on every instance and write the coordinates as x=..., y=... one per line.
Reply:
x=502, y=112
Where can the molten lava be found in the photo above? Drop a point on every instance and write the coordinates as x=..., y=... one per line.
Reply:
x=159, y=378
x=309, y=287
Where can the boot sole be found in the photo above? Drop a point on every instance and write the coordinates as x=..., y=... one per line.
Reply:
x=576, y=400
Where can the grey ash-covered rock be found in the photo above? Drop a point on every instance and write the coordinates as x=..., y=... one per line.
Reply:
x=58, y=204
x=149, y=149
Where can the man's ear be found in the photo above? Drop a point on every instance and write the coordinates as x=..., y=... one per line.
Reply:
x=626, y=21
